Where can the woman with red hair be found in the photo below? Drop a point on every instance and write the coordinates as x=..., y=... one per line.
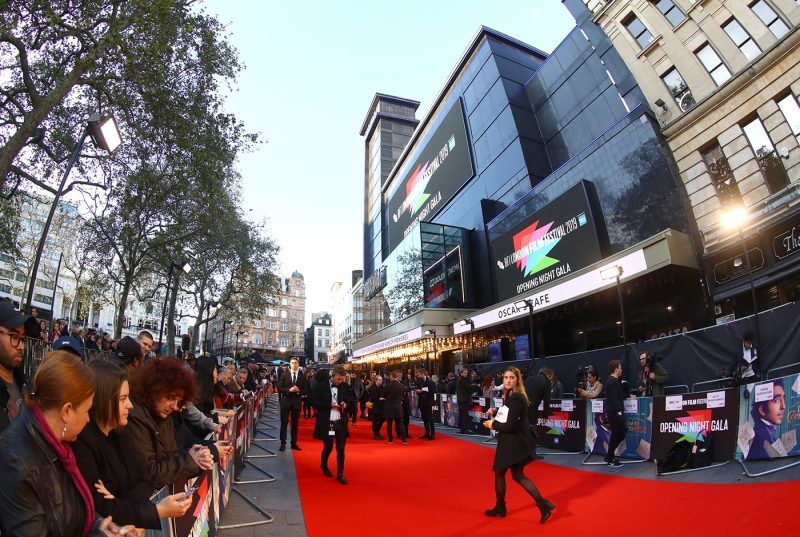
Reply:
x=159, y=388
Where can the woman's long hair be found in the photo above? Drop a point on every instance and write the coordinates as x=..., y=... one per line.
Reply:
x=204, y=369
x=61, y=378
x=520, y=387
x=108, y=379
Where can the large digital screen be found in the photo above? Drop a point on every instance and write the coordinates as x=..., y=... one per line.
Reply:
x=444, y=165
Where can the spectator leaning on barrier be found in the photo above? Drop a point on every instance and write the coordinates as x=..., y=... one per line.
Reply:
x=12, y=349
x=652, y=375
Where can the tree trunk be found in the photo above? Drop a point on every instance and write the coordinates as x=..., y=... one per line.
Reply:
x=173, y=298
x=195, y=335
x=123, y=303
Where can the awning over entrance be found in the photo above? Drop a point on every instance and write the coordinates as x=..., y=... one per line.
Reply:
x=669, y=247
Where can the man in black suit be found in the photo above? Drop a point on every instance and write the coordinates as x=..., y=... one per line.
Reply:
x=292, y=385
x=538, y=388
x=426, y=391
x=332, y=401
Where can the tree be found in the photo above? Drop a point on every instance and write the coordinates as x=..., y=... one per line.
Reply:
x=406, y=294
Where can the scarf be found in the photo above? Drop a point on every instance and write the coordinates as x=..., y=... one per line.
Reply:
x=67, y=458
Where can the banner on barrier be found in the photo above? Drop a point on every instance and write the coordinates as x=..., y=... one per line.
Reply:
x=195, y=522
x=413, y=404
x=708, y=417
x=769, y=418
x=565, y=427
x=638, y=421
x=240, y=446
x=167, y=529
x=449, y=409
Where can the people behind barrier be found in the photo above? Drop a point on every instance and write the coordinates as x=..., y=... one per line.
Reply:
x=748, y=367
x=593, y=388
x=652, y=376
x=43, y=491
x=109, y=462
x=158, y=388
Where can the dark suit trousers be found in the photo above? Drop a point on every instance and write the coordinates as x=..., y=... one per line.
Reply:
x=618, y=430
x=426, y=411
x=340, y=438
x=463, y=417
x=295, y=413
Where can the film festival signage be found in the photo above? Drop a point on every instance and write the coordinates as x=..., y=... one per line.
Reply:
x=565, y=427
x=444, y=286
x=555, y=241
x=441, y=169
x=769, y=418
x=708, y=417
x=637, y=421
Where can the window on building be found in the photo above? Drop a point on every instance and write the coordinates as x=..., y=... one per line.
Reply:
x=270, y=338
x=327, y=332
x=670, y=11
x=284, y=301
x=284, y=327
x=721, y=175
x=284, y=341
x=678, y=88
x=257, y=323
x=319, y=343
x=638, y=30
x=283, y=314
x=713, y=64
x=768, y=16
x=768, y=159
x=791, y=112
x=257, y=339
x=270, y=312
x=741, y=39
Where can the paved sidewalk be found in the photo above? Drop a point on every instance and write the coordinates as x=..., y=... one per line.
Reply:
x=279, y=498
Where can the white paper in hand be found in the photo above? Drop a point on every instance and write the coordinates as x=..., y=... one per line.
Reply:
x=502, y=414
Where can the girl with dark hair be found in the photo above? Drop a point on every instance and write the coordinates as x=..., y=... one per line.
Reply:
x=108, y=461
x=159, y=388
x=513, y=445
x=43, y=491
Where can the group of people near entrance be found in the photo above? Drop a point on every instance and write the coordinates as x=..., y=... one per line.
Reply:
x=83, y=446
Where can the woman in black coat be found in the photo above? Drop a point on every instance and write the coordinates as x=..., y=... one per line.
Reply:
x=376, y=397
x=393, y=406
x=513, y=445
x=109, y=463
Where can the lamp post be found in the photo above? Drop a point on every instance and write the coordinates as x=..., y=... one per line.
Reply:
x=236, y=352
x=225, y=323
x=736, y=219
x=432, y=333
x=185, y=267
x=614, y=273
x=471, y=324
x=105, y=134
x=209, y=305
x=528, y=303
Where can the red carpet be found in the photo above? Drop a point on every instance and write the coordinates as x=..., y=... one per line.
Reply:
x=441, y=488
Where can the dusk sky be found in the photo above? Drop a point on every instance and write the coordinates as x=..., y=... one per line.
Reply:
x=311, y=72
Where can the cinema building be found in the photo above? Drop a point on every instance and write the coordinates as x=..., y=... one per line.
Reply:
x=495, y=226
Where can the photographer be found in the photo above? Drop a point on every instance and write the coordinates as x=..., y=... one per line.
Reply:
x=589, y=385
x=652, y=375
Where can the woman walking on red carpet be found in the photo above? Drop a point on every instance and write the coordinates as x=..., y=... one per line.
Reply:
x=513, y=445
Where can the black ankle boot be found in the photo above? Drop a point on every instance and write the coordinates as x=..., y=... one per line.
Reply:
x=546, y=509
x=497, y=510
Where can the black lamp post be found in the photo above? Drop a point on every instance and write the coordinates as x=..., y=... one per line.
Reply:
x=225, y=323
x=185, y=267
x=736, y=219
x=471, y=324
x=528, y=303
x=210, y=304
x=614, y=273
x=105, y=134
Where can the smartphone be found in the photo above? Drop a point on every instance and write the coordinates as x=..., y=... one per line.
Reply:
x=190, y=491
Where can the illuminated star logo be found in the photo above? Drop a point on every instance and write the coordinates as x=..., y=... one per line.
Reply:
x=415, y=192
x=558, y=423
x=693, y=434
x=536, y=259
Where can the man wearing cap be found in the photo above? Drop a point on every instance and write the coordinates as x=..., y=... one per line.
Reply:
x=13, y=327
x=129, y=353
x=69, y=344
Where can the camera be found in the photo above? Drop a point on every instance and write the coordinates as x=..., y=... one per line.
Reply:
x=652, y=358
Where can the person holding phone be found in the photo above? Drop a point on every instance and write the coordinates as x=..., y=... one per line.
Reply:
x=513, y=445
x=332, y=400
x=108, y=460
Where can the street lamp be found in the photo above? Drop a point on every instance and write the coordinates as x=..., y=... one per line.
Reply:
x=735, y=219
x=432, y=333
x=105, y=134
x=238, y=333
x=225, y=323
x=527, y=303
x=185, y=267
x=471, y=323
x=614, y=273
x=210, y=304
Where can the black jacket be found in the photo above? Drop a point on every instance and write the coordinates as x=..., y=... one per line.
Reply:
x=514, y=438
x=426, y=398
x=290, y=399
x=538, y=388
x=21, y=381
x=464, y=390
x=321, y=398
x=375, y=394
x=37, y=497
x=393, y=407
x=613, y=394
x=112, y=459
x=157, y=448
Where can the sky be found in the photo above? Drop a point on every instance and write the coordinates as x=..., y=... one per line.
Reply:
x=311, y=70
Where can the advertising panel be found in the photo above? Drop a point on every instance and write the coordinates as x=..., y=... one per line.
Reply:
x=444, y=165
x=449, y=409
x=769, y=419
x=707, y=417
x=555, y=241
x=444, y=284
x=638, y=421
x=565, y=427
